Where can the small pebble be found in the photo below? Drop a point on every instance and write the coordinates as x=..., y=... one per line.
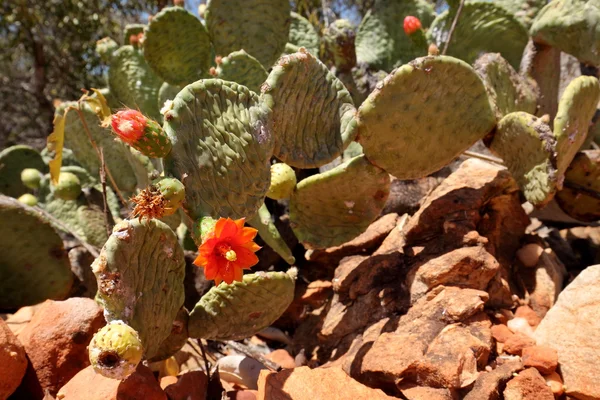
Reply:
x=529, y=255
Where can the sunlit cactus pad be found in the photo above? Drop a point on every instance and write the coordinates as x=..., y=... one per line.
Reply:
x=303, y=34
x=242, y=68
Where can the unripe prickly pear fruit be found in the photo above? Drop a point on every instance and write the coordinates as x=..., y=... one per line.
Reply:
x=115, y=350
x=28, y=199
x=283, y=181
x=141, y=133
x=31, y=178
x=68, y=186
x=160, y=199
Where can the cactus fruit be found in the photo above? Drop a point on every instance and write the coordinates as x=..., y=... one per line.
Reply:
x=423, y=115
x=161, y=199
x=231, y=30
x=242, y=68
x=115, y=350
x=105, y=48
x=241, y=309
x=31, y=178
x=222, y=144
x=283, y=181
x=483, y=27
x=296, y=88
x=28, y=199
x=270, y=235
x=141, y=133
x=414, y=30
x=140, y=274
x=13, y=160
x=303, y=34
x=35, y=266
x=339, y=38
x=579, y=197
x=380, y=39
x=177, y=46
x=132, y=30
x=68, y=186
x=330, y=208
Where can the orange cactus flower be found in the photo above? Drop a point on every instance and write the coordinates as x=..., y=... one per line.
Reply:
x=227, y=251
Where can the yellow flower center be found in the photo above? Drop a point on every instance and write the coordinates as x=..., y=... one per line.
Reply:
x=225, y=251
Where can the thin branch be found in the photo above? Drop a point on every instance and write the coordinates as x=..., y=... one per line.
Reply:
x=206, y=365
x=253, y=354
x=454, y=22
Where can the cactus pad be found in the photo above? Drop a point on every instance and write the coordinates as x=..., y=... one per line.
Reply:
x=339, y=38
x=241, y=309
x=303, y=34
x=270, y=235
x=483, y=27
x=140, y=274
x=222, y=143
x=132, y=29
x=105, y=47
x=33, y=262
x=242, y=68
x=167, y=92
x=262, y=29
x=380, y=39
x=423, y=115
x=177, y=46
x=313, y=112
x=176, y=339
x=330, y=208
x=13, y=161
x=524, y=10
x=580, y=196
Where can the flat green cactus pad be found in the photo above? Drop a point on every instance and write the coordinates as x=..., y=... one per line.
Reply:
x=132, y=29
x=270, y=235
x=13, y=160
x=132, y=82
x=177, y=46
x=526, y=145
x=313, y=112
x=330, y=208
x=508, y=91
x=580, y=196
x=33, y=262
x=303, y=34
x=261, y=27
x=575, y=111
x=176, y=339
x=140, y=274
x=572, y=26
x=380, y=39
x=423, y=115
x=105, y=47
x=222, y=144
x=483, y=27
x=241, y=309
x=524, y=10
x=242, y=68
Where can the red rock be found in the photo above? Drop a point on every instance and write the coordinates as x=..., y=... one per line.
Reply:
x=13, y=361
x=517, y=342
x=242, y=395
x=501, y=333
x=528, y=385
x=544, y=283
x=167, y=380
x=56, y=343
x=414, y=392
x=89, y=385
x=487, y=385
x=542, y=358
x=555, y=383
x=529, y=254
x=526, y=312
x=282, y=357
x=190, y=385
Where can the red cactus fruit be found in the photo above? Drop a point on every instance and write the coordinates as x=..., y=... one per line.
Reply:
x=411, y=25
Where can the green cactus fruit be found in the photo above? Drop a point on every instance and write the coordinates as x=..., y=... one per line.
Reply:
x=339, y=40
x=303, y=34
x=332, y=207
x=115, y=350
x=222, y=144
x=483, y=27
x=33, y=262
x=242, y=68
x=526, y=145
x=142, y=133
x=167, y=93
x=262, y=29
x=241, y=309
x=132, y=30
x=105, y=48
x=580, y=196
x=171, y=193
x=380, y=39
x=31, y=178
x=140, y=274
x=524, y=11
x=507, y=90
x=177, y=46
x=270, y=235
x=423, y=115
x=291, y=48
x=13, y=160
x=283, y=181
x=133, y=83
x=313, y=113
x=28, y=199
x=575, y=111
x=572, y=26
x=176, y=339
x=68, y=186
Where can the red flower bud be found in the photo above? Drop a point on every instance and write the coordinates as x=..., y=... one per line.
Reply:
x=129, y=125
x=411, y=25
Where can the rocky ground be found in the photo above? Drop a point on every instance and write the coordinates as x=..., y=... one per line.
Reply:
x=456, y=292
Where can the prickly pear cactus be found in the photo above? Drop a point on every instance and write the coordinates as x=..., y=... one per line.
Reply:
x=424, y=115
x=177, y=46
x=241, y=309
x=339, y=38
x=68, y=186
x=132, y=29
x=572, y=26
x=330, y=208
x=222, y=144
x=313, y=113
x=483, y=27
x=140, y=274
x=380, y=38
x=105, y=48
x=13, y=160
x=270, y=235
x=28, y=199
x=115, y=350
x=167, y=92
x=33, y=262
x=283, y=181
x=524, y=10
x=303, y=34
x=580, y=194
x=262, y=29
x=507, y=90
x=242, y=68
x=176, y=339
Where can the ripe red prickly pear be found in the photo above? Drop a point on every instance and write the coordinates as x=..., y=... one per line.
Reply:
x=141, y=133
x=411, y=25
